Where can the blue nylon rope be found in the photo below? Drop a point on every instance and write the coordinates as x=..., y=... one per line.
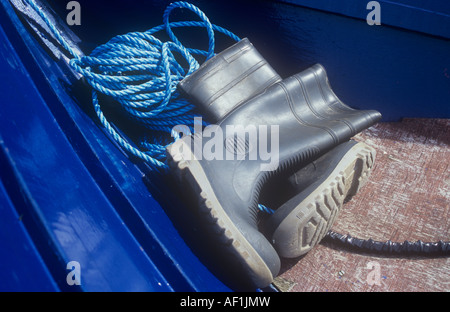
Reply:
x=141, y=73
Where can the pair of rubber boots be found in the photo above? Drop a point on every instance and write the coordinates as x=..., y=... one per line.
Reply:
x=285, y=140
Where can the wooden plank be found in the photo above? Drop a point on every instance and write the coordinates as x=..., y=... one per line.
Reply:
x=406, y=198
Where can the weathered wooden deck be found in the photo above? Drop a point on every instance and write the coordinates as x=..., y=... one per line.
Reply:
x=406, y=198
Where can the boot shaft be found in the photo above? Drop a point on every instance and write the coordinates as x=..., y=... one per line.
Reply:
x=228, y=79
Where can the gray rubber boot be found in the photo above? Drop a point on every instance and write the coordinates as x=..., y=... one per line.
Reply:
x=229, y=190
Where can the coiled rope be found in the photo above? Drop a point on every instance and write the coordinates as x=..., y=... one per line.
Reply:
x=141, y=73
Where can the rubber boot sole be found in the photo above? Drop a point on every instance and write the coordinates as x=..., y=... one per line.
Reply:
x=190, y=173
x=310, y=220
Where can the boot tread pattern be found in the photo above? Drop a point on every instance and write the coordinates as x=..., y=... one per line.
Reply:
x=317, y=215
x=328, y=205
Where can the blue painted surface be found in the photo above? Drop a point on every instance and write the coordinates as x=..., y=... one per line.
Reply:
x=21, y=267
x=81, y=198
x=430, y=17
x=400, y=73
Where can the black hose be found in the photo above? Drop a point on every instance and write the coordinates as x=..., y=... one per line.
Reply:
x=419, y=248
